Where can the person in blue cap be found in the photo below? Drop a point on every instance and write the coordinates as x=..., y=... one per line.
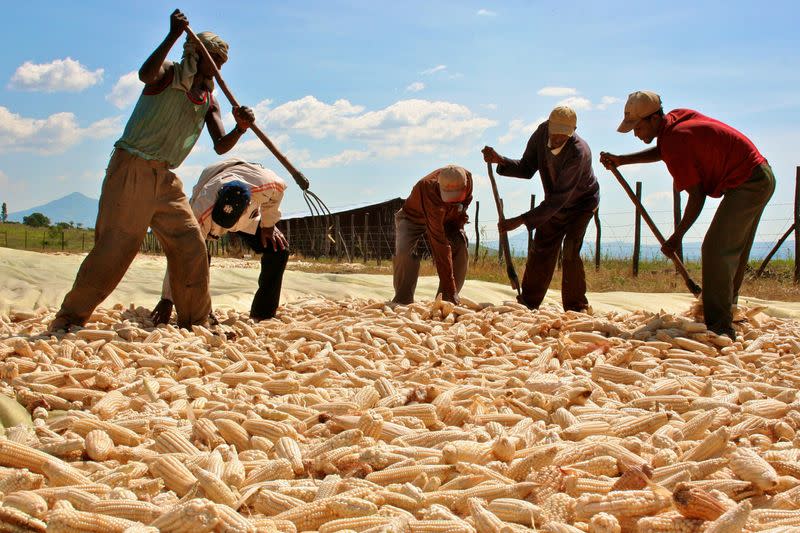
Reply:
x=235, y=196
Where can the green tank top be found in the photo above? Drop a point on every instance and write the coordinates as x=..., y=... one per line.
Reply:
x=164, y=126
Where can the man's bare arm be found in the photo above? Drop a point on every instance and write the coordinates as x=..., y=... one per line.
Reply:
x=224, y=142
x=651, y=155
x=153, y=69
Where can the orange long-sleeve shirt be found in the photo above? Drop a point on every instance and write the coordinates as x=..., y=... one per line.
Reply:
x=425, y=206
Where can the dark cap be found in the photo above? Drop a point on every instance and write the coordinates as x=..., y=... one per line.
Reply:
x=232, y=199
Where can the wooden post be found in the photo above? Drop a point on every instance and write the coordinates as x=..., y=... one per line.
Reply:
x=338, y=231
x=364, y=240
x=44, y=242
x=353, y=234
x=477, y=231
x=26, y=239
x=637, y=230
x=530, y=232
x=83, y=241
x=378, y=234
x=676, y=217
x=499, y=251
x=772, y=252
x=797, y=227
x=597, y=240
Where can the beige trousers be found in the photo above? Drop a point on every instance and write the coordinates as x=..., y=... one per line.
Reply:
x=138, y=194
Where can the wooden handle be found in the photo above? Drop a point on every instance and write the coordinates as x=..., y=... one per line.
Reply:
x=694, y=288
x=505, y=248
x=298, y=176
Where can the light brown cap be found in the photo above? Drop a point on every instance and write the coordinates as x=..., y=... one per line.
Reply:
x=563, y=121
x=452, y=182
x=639, y=105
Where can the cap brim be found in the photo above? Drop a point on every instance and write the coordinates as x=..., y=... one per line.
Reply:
x=627, y=125
x=451, y=196
x=560, y=129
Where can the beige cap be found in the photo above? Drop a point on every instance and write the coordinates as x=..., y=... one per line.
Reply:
x=562, y=121
x=452, y=183
x=639, y=105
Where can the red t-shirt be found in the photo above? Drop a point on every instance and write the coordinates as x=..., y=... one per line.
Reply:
x=701, y=150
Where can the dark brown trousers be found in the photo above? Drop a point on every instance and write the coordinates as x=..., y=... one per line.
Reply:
x=568, y=229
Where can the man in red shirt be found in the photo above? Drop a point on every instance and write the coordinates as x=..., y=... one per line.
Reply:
x=436, y=208
x=706, y=158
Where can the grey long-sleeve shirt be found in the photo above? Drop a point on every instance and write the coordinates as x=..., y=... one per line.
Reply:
x=570, y=185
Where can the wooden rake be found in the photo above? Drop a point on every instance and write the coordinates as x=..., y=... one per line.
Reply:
x=315, y=205
x=693, y=287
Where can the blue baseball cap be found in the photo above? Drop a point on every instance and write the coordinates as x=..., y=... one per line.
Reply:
x=232, y=200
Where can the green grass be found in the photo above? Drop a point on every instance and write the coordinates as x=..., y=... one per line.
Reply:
x=614, y=274
x=22, y=237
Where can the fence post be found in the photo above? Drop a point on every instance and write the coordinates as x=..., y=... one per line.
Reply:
x=338, y=231
x=44, y=239
x=364, y=241
x=477, y=231
x=775, y=248
x=530, y=232
x=62, y=240
x=353, y=234
x=83, y=241
x=378, y=251
x=597, y=240
x=676, y=216
x=26, y=240
x=797, y=227
x=637, y=230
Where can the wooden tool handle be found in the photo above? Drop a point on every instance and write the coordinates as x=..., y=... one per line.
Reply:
x=298, y=176
x=693, y=287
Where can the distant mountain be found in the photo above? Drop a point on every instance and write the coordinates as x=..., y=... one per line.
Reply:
x=74, y=207
x=620, y=249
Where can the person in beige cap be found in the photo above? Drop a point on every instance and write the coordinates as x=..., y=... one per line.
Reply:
x=706, y=158
x=571, y=196
x=436, y=209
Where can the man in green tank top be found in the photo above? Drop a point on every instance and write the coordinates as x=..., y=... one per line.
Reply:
x=141, y=191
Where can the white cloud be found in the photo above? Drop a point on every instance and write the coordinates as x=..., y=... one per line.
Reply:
x=486, y=13
x=105, y=127
x=415, y=87
x=344, y=158
x=406, y=127
x=434, y=70
x=58, y=75
x=658, y=199
x=491, y=107
x=577, y=103
x=126, y=90
x=189, y=174
x=51, y=135
x=557, y=91
x=518, y=128
x=607, y=101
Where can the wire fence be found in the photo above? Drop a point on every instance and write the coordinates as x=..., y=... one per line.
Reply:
x=368, y=233
x=377, y=242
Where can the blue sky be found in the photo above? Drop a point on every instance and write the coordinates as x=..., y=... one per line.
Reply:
x=367, y=97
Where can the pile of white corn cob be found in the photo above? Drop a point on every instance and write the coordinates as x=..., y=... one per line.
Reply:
x=356, y=417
